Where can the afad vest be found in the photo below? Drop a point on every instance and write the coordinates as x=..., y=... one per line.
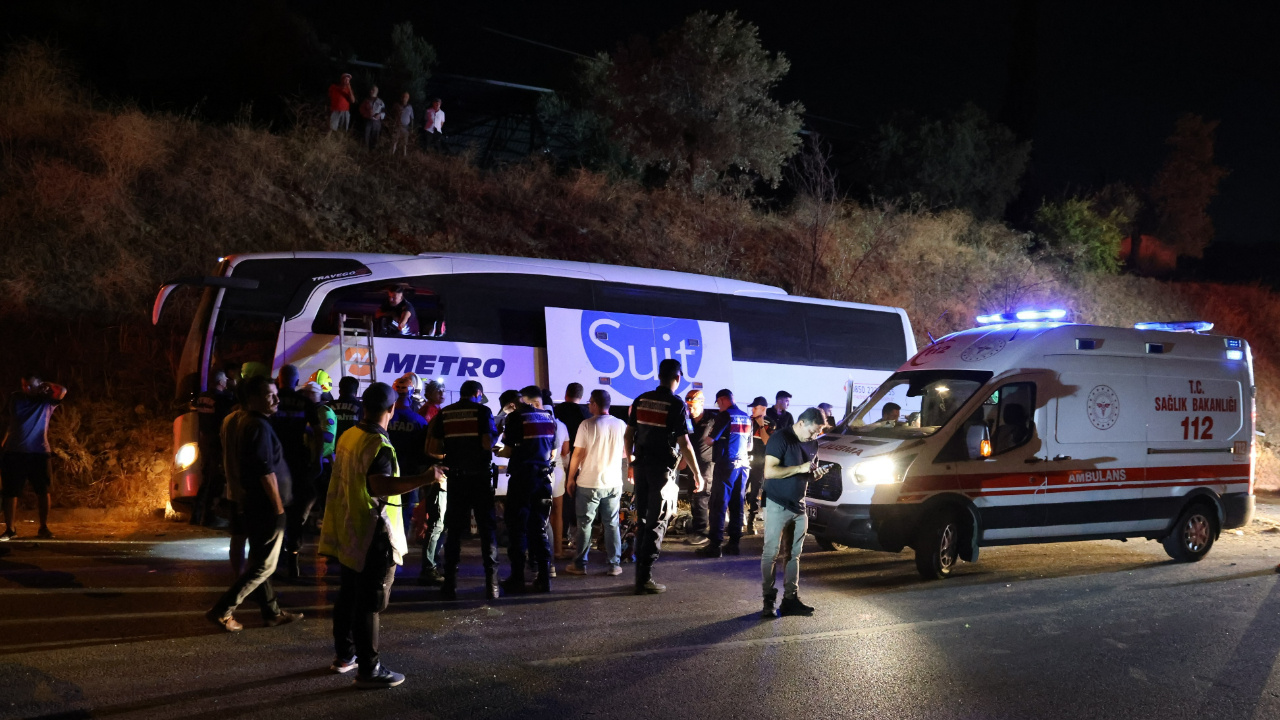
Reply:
x=351, y=515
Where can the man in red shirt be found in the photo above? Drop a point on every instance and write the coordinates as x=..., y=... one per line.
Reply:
x=341, y=96
x=434, y=394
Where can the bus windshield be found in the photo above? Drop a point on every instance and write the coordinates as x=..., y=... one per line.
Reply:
x=913, y=404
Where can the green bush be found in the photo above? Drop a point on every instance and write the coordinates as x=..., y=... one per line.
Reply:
x=1071, y=231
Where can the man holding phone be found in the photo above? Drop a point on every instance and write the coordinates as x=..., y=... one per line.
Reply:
x=790, y=463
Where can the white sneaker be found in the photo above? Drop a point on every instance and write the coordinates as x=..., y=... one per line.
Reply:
x=343, y=665
x=614, y=570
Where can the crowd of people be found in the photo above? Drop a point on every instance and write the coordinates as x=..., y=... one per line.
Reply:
x=373, y=112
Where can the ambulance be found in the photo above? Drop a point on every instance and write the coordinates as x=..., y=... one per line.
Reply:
x=1031, y=429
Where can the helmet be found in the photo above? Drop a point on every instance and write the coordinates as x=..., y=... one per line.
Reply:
x=321, y=378
x=254, y=369
x=694, y=395
x=407, y=383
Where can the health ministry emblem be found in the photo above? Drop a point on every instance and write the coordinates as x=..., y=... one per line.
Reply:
x=624, y=350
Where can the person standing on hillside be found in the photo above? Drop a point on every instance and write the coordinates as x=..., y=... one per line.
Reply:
x=373, y=110
x=402, y=115
x=26, y=451
x=657, y=437
x=341, y=98
x=364, y=532
x=699, y=502
x=791, y=462
x=266, y=487
x=730, y=439
x=434, y=129
x=595, y=477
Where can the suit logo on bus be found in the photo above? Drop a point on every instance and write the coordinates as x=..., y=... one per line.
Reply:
x=625, y=349
x=1103, y=407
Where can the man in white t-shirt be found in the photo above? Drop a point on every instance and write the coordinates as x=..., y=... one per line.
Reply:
x=595, y=475
x=434, y=128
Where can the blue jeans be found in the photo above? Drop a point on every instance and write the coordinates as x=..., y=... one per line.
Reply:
x=437, y=501
x=784, y=532
x=727, y=486
x=604, y=503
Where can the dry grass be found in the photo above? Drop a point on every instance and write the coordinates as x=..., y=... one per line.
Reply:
x=104, y=203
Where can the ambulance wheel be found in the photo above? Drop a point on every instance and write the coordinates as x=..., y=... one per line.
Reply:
x=1192, y=535
x=829, y=545
x=938, y=544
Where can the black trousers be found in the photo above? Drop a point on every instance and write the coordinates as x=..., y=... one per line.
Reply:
x=699, y=502
x=656, y=493
x=266, y=533
x=470, y=495
x=361, y=597
x=755, y=483
x=527, y=515
x=304, y=499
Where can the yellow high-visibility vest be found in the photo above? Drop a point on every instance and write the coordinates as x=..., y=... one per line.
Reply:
x=351, y=515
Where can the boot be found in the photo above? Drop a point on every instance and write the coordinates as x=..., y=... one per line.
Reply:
x=430, y=577
x=712, y=550
x=751, y=523
x=449, y=588
x=649, y=587
x=769, y=612
x=793, y=606
x=514, y=584
x=491, y=583
x=732, y=548
x=542, y=583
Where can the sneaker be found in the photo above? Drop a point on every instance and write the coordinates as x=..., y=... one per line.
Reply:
x=342, y=666
x=381, y=677
x=651, y=588
x=699, y=540
x=710, y=551
x=8, y=535
x=226, y=622
x=793, y=606
x=614, y=570
x=573, y=569
x=552, y=571
x=45, y=534
x=284, y=618
x=769, y=612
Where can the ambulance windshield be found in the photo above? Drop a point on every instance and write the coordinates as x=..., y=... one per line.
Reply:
x=913, y=404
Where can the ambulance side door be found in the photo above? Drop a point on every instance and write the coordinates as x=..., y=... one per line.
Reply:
x=1098, y=453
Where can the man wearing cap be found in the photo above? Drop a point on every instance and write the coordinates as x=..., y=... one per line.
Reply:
x=755, y=479
x=699, y=502
x=462, y=435
x=657, y=437
x=529, y=442
x=395, y=317
x=731, y=442
x=347, y=408
x=341, y=97
x=364, y=532
x=291, y=423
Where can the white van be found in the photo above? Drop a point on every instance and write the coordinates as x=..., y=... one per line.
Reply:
x=1033, y=431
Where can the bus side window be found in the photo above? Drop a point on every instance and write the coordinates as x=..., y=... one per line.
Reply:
x=363, y=301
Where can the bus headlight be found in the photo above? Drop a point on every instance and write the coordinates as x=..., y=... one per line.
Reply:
x=881, y=471
x=186, y=456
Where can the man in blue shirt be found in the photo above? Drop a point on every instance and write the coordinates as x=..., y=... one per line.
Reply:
x=26, y=450
x=730, y=440
x=528, y=440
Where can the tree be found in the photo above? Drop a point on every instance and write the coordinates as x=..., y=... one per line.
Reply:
x=694, y=107
x=966, y=161
x=1073, y=232
x=409, y=64
x=1185, y=185
x=817, y=200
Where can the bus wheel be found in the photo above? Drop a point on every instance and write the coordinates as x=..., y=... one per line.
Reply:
x=1192, y=535
x=829, y=545
x=938, y=544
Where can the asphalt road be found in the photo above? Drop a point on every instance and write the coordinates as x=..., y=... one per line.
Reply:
x=1080, y=630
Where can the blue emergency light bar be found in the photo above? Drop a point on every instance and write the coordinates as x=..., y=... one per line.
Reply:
x=1022, y=316
x=1191, y=326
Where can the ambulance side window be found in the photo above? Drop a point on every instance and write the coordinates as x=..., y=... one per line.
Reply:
x=1005, y=417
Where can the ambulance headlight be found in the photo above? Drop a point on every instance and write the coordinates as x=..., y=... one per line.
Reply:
x=881, y=471
x=186, y=456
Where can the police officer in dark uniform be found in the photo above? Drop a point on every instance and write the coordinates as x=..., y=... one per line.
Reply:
x=658, y=436
x=347, y=408
x=462, y=434
x=730, y=440
x=699, y=502
x=291, y=422
x=528, y=439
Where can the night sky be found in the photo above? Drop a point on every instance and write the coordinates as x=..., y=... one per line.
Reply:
x=1095, y=85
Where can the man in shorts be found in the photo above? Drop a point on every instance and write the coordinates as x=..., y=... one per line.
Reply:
x=26, y=450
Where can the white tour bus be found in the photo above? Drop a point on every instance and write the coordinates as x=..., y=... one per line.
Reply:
x=511, y=322
x=1033, y=431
